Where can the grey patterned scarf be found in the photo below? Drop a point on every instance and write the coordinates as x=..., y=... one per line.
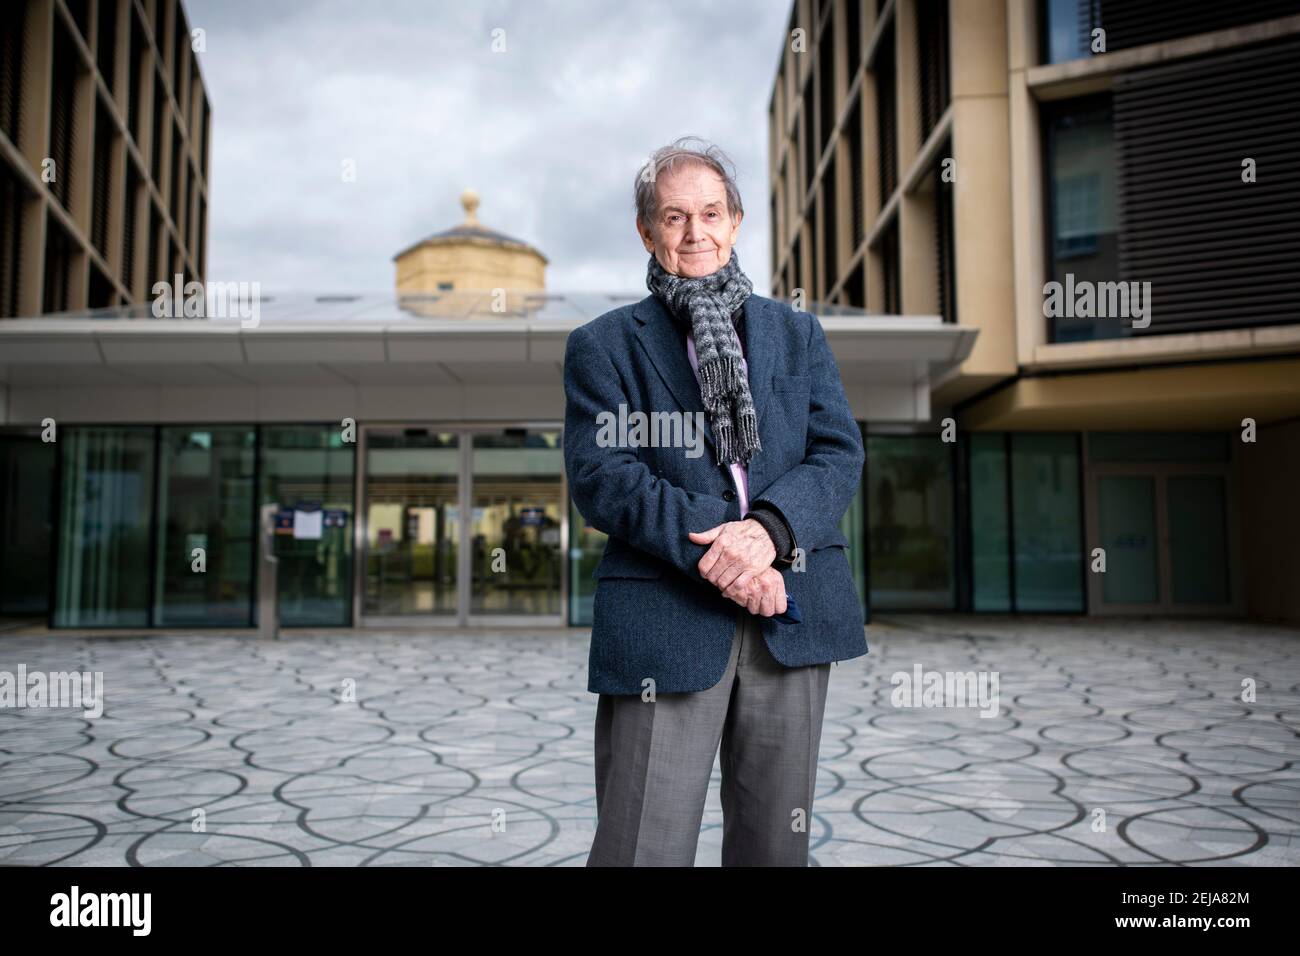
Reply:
x=707, y=302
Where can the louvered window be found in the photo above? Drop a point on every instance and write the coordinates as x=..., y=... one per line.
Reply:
x=826, y=88
x=159, y=111
x=886, y=111
x=853, y=26
x=129, y=227
x=1068, y=25
x=946, y=247
x=102, y=187
x=932, y=62
x=13, y=47
x=830, y=244
x=13, y=201
x=106, y=42
x=66, y=68
x=889, y=260
x=856, y=161
x=1219, y=252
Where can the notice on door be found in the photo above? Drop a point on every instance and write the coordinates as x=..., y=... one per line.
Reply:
x=307, y=521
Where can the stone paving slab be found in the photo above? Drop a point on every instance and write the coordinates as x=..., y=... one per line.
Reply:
x=1113, y=742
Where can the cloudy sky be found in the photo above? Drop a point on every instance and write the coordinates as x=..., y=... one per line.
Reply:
x=550, y=132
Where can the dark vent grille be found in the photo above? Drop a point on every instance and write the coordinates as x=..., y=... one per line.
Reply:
x=853, y=26
x=890, y=268
x=128, y=228
x=1130, y=23
x=1218, y=252
x=159, y=111
x=944, y=234
x=932, y=62
x=856, y=162
x=106, y=42
x=134, y=67
x=154, y=269
x=886, y=108
x=830, y=247
x=63, y=112
x=80, y=10
x=13, y=202
x=13, y=48
x=102, y=187
x=809, y=143
x=826, y=91
x=58, y=266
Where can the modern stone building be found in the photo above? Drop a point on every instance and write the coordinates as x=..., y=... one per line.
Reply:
x=958, y=156
x=406, y=437
x=104, y=140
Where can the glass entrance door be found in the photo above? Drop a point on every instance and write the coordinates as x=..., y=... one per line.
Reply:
x=517, y=517
x=1166, y=535
x=423, y=564
x=412, y=524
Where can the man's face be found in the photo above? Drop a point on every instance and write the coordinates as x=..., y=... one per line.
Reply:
x=692, y=232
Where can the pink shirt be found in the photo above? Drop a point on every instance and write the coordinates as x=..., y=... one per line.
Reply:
x=739, y=474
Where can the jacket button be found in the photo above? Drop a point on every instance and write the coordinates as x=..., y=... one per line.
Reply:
x=728, y=495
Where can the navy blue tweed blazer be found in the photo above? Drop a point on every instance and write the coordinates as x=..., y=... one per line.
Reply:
x=654, y=615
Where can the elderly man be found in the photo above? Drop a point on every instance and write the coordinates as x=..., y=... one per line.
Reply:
x=724, y=592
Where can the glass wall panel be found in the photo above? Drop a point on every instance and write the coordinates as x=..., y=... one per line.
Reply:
x=1045, y=521
x=1066, y=27
x=105, y=512
x=990, y=544
x=909, y=492
x=310, y=467
x=586, y=545
x=26, y=524
x=412, y=522
x=1198, y=538
x=516, y=561
x=1158, y=446
x=853, y=524
x=205, y=501
x=1126, y=516
x=1083, y=245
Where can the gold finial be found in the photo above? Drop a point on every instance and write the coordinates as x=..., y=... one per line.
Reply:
x=469, y=199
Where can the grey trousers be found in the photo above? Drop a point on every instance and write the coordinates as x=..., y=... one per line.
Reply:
x=654, y=760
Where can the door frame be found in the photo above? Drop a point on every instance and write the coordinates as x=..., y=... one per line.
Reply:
x=465, y=432
x=1160, y=472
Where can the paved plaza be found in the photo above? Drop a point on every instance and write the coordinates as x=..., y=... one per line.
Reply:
x=1114, y=742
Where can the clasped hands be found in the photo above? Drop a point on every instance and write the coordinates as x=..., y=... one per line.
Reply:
x=739, y=564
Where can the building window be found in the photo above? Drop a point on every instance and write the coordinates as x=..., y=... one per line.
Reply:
x=1066, y=28
x=205, y=510
x=1046, y=522
x=105, y=512
x=890, y=269
x=446, y=286
x=990, y=522
x=910, y=525
x=932, y=62
x=886, y=110
x=1026, y=522
x=1083, y=241
x=310, y=467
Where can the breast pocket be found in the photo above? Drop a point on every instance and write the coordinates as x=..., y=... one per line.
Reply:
x=790, y=397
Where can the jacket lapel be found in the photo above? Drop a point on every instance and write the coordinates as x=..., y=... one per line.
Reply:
x=666, y=347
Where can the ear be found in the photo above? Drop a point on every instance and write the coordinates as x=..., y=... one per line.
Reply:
x=647, y=237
